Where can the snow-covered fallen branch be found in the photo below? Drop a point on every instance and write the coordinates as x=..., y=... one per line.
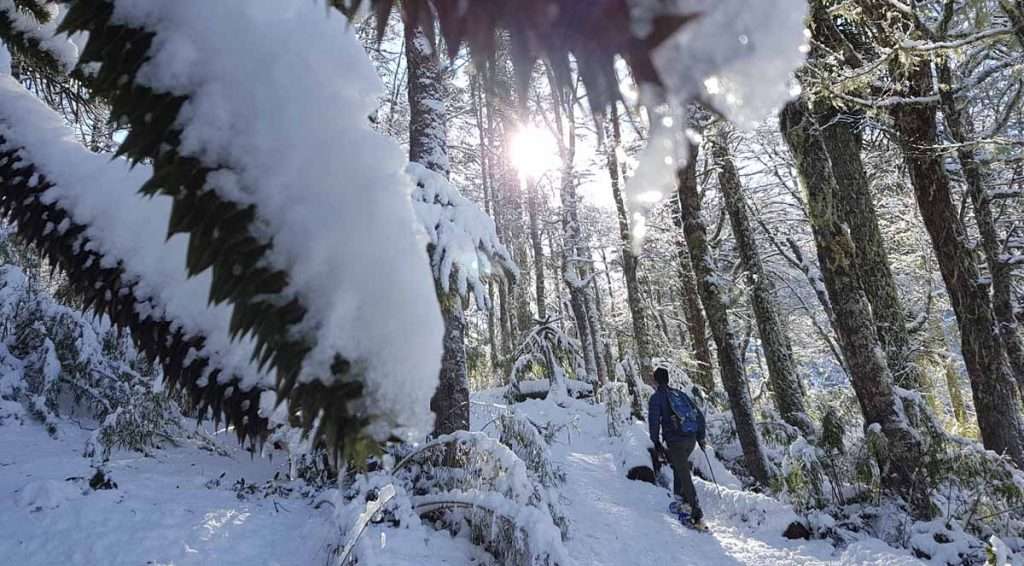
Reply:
x=533, y=539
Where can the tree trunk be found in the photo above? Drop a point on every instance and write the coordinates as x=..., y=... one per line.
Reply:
x=641, y=338
x=696, y=324
x=576, y=256
x=428, y=146
x=533, y=210
x=995, y=394
x=486, y=183
x=712, y=296
x=843, y=144
x=787, y=390
x=451, y=400
x=870, y=376
x=961, y=129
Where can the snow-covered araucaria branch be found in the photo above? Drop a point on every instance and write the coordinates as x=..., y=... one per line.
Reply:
x=465, y=250
x=253, y=115
x=82, y=211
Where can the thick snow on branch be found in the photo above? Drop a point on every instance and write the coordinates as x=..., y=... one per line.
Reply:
x=126, y=228
x=278, y=94
x=736, y=55
x=465, y=246
x=739, y=56
x=59, y=48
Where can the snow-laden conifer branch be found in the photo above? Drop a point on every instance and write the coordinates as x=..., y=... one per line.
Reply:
x=465, y=249
x=81, y=211
x=41, y=10
x=306, y=242
x=28, y=29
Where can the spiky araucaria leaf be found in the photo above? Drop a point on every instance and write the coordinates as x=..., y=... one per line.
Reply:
x=591, y=33
x=220, y=231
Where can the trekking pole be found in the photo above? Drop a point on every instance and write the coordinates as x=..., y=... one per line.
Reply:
x=711, y=470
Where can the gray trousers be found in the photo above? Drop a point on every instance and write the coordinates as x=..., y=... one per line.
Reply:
x=682, y=482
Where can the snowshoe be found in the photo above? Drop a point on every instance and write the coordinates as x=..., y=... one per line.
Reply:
x=679, y=511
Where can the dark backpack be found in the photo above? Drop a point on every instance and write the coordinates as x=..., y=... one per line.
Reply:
x=685, y=415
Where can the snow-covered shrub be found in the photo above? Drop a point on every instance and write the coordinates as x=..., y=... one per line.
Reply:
x=58, y=364
x=803, y=476
x=628, y=372
x=616, y=400
x=526, y=440
x=470, y=480
x=546, y=352
x=529, y=444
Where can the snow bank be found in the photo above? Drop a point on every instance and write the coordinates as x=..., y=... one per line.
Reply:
x=38, y=495
x=633, y=447
x=543, y=538
x=532, y=387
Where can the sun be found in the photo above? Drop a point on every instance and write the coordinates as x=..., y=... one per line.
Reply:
x=533, y=152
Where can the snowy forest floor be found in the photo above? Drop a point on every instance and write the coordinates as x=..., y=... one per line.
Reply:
x=182, y=505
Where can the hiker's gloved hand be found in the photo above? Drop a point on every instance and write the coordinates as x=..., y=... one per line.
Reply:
x=659, y=448
x=703, y=445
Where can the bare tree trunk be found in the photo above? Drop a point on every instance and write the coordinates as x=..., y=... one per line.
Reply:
x=577, y=259
x=870, y=376
x=843, y=143
x=961, y=129
x=533, y=210
x=696, y=324
x=733, y=376
x=486, y=182
x=428, y=146
x=995, y=394
x=593, y=309
x=641, y=338
x=787, y=390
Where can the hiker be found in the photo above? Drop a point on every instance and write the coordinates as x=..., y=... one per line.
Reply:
x=672, y=415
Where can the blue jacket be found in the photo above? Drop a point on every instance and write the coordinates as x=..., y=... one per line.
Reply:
x=659, y=419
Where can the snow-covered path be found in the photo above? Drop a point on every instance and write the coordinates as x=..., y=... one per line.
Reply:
x=617, y=522
x=165, y=509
